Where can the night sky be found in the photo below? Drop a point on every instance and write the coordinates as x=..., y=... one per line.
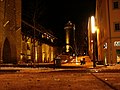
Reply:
x=54, y=14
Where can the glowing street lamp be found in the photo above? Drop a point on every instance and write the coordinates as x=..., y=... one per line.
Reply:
x=93, y=33
x=93, y=24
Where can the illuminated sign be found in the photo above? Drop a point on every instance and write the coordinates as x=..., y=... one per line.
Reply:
x=117, y=43
x=105, y=46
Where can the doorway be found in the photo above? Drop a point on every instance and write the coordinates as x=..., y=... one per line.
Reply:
x=6, y=52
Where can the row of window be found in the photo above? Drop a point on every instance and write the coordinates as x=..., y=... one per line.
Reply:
x=116, y=5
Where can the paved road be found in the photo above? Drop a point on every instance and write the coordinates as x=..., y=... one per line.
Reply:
x=59, y=79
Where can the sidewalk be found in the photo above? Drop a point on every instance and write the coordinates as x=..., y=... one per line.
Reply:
x=67, y=66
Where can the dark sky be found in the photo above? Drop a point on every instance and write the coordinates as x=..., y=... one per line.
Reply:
x=54, y=14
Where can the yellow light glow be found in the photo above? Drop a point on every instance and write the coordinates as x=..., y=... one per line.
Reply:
x=21, y=57
x=67, y=37
x=36, y=54
x=93, y=24
x=76, y=60
x=96, y=29
x=67, y=48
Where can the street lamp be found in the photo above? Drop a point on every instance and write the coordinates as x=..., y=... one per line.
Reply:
x=75, y=43
x=93, y=34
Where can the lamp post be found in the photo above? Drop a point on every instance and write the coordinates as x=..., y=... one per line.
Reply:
x=75, y=43
x=93, y=35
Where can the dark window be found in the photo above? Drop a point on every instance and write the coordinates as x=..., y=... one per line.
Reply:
x=115, y=5
x=117, y=26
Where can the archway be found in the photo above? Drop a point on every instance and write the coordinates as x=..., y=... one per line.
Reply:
x=6, y=52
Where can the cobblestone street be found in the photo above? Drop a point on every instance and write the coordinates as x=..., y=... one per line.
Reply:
x=59, y=79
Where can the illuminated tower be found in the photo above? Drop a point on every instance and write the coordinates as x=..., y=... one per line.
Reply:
x=69, y=35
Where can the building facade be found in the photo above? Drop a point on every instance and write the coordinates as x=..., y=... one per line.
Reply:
x=21, y=42
x=108, y=33
x=90, y=40
x=38, y=45
x=10, y=28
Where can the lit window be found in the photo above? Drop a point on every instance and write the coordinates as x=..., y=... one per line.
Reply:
x=117, y=26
